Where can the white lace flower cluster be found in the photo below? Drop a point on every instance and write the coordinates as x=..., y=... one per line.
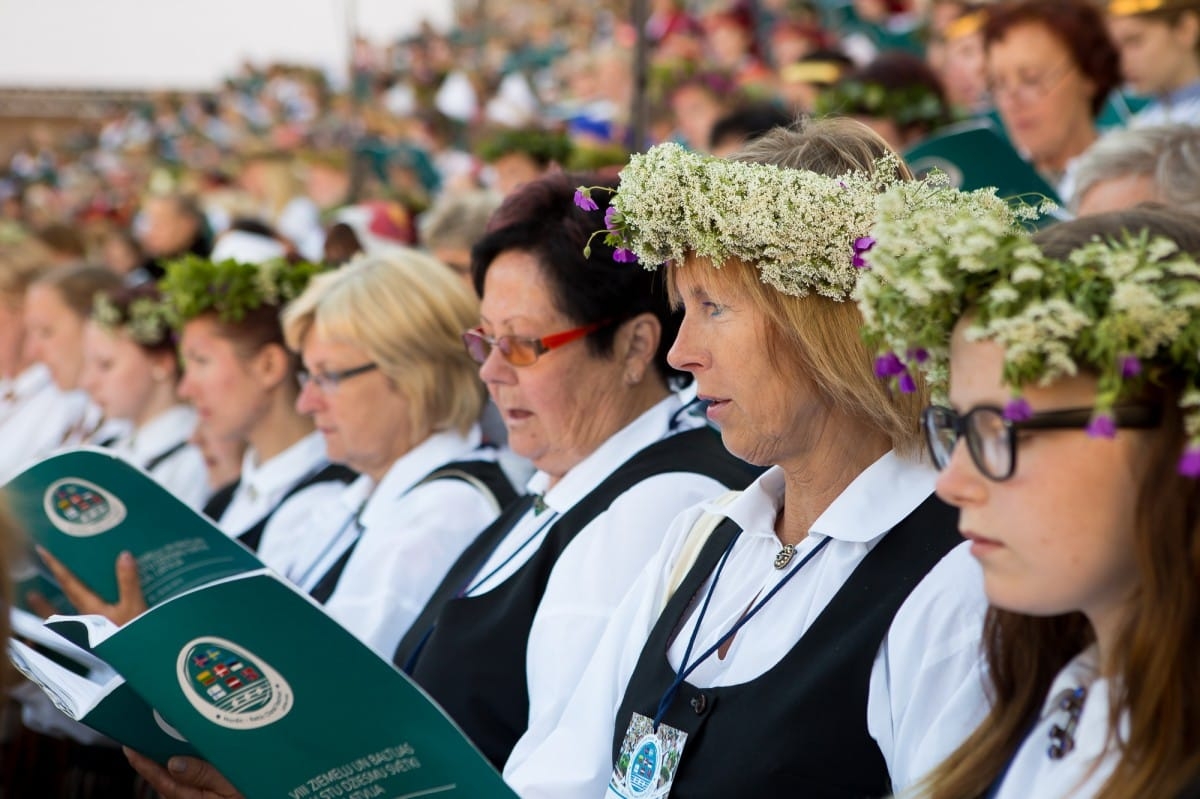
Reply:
x=805, y=232
x=145, y=320
x=1123, y=309
x=935, y=247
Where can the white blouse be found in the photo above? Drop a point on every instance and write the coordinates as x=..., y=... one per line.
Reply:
x=595, y=570
x=182, y=472
x=408, y=536
x=263, y=485
x=34, y=417
x=926, y=691
x=1083, y=771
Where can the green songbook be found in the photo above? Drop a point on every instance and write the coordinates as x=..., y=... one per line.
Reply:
x=240, y=667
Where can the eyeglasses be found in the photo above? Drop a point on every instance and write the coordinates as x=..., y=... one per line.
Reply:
x=992, y=439
x=1029, y=88
x=521, y=350
x=329, y=381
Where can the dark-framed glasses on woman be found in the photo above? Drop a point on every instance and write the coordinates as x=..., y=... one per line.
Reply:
x=329, y=381
x=521, y=350
x=991, y=438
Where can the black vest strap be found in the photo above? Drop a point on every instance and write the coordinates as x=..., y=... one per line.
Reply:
x=219, y=502
x=487, y=476
x=803, y=722
x=470, y=651
x=162, y=456
x=252, y=536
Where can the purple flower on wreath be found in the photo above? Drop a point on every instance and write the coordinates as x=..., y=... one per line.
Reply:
x=584, y=200
x=1018, y=410
x=624, y=256
x=1102, y=426
x=862, y=245
x=918, y=355
x=1189, y=462
x=1130, y=366
x=888, y=365
x=906, y=383
x=609, y=218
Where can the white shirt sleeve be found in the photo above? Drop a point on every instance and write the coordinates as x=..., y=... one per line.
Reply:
x=592, y=576
x=927, y=683
x=396, y=567
x=570, y=757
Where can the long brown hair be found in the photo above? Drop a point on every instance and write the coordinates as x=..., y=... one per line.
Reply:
x=1156, y=685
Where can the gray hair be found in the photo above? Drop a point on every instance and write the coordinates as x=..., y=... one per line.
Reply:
x=458, y=220
x=1169, y=155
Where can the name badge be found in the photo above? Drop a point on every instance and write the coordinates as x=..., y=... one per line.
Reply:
x=647, y=762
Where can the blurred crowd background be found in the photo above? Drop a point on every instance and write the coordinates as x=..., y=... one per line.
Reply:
x=513, y=89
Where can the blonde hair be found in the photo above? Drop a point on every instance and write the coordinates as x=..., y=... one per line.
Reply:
x=408, y=312
x=815, y=334
x=820, y=338
x=21, y=263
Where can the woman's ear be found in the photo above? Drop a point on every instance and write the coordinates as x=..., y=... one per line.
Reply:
x=1188, y=28
x=637, y=343
x=271, y=365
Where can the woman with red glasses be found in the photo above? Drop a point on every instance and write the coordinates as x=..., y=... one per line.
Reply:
x=1070, y=443
x=573, y=350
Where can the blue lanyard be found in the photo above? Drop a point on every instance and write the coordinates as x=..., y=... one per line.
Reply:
x=685, y=668
x=470, y=586
x=352, y=518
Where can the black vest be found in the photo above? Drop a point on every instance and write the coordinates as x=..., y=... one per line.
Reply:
x=486, y=475
x=800, y=729
x=468, y=653
x=219, y=502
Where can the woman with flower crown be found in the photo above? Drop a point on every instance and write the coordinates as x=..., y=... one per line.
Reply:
x=1070, y=442
x=817, y=634
x=131, y=370
x=242, y=379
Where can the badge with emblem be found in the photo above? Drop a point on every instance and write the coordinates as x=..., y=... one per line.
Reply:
x=649, y=758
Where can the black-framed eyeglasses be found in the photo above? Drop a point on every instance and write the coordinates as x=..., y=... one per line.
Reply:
x=521, y=350
x=992, y=438
x=329, y=381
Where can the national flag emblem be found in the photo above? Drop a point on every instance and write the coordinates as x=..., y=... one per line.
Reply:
x=80, y=508
x=230, y=686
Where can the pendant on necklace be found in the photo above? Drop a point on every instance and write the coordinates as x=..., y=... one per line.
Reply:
x=785, y=556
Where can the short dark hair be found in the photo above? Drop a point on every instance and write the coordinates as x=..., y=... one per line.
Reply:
x=1078, y=24
x=541, y=219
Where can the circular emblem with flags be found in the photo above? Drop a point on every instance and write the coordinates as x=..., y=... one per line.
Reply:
x=643, y=768
x=230, y=686
x=81, y=508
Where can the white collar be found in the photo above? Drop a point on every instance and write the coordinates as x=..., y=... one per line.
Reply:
x=285, y=469
x=160, y=434
x=582, y=478
x=32, y=380
x=412, y=467
x=878, y=499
